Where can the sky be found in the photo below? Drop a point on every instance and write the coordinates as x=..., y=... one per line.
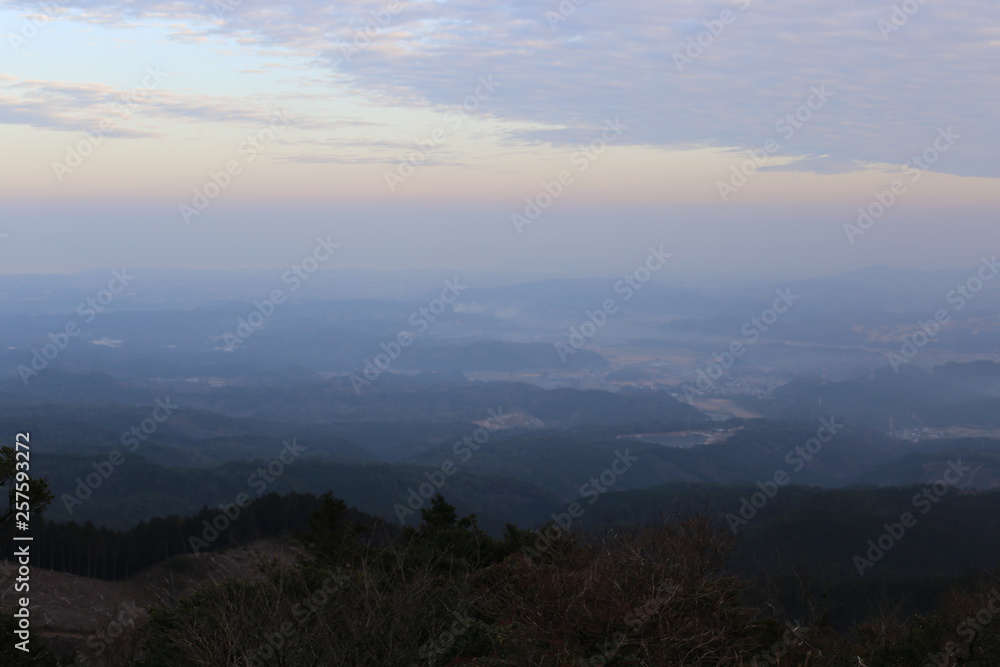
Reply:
x=747, y=137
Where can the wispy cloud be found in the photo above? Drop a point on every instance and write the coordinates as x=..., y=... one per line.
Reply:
x=76, y=107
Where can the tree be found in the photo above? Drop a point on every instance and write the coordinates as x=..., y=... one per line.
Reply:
x=38, y=493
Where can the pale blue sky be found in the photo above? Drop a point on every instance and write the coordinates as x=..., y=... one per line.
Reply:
x=553, y=83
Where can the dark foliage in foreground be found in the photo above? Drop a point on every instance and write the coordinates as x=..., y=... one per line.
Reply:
x=447, y=593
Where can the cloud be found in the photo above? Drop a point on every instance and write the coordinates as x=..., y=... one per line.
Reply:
x=57, y=106
x=892, y=88
x=77, y=107
x=367, y=151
